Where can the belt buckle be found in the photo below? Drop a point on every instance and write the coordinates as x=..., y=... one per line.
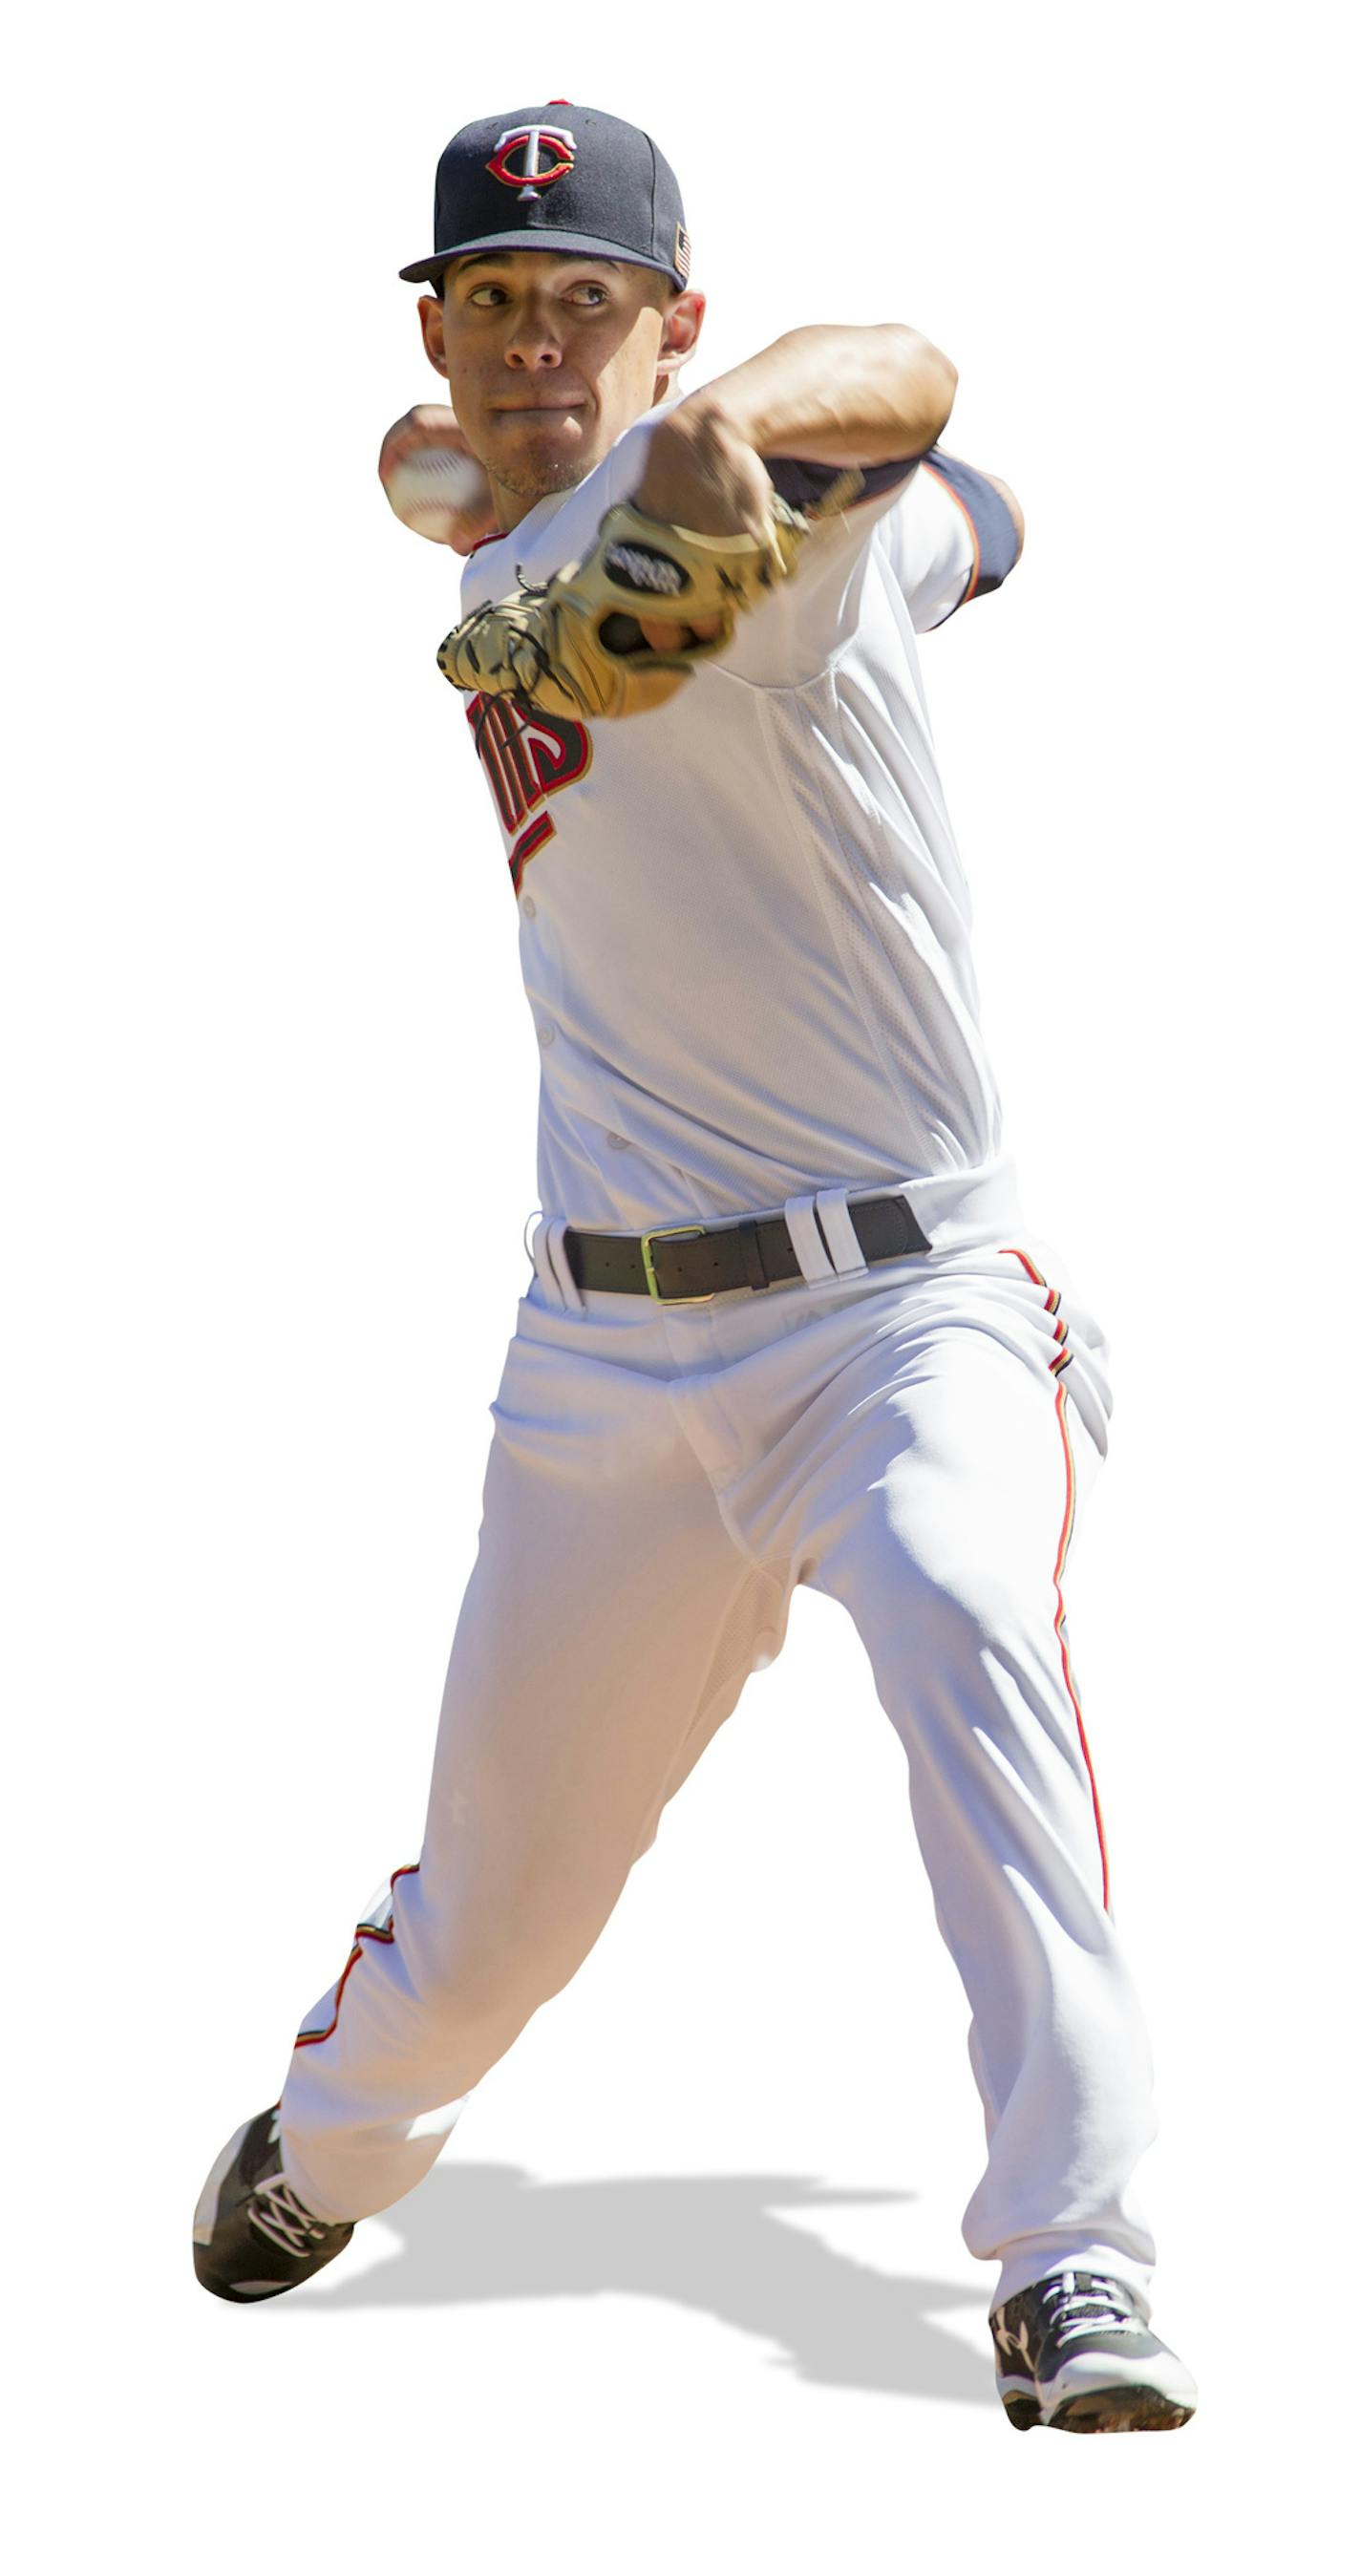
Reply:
x=657, y=1234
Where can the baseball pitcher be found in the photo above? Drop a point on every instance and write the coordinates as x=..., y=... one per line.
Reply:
x=787, y=1321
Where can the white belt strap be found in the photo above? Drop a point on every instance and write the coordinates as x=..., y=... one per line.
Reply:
x=550, y=1262
x=800, y=1218
x=842, y=1242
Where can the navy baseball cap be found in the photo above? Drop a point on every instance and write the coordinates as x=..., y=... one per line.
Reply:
x=557, y=178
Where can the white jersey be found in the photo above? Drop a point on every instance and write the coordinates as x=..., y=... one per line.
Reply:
x=744, y=928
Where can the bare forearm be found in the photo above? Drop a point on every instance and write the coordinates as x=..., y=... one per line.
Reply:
x=835, y=394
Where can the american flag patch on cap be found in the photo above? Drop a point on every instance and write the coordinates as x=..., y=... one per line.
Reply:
x=682, y=250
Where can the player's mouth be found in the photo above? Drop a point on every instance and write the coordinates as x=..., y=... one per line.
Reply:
x=552, y=416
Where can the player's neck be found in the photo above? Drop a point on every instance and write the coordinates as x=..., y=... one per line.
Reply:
x=511, y=507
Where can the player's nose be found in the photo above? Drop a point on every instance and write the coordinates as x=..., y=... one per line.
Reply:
x=533, y=344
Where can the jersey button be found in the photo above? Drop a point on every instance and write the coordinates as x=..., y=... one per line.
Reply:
x=528, y=907
x=619, y=1143
x=546, y=1033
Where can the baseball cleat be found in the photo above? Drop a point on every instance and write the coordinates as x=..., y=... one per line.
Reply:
x=1074, y=2352
x=252, y=2236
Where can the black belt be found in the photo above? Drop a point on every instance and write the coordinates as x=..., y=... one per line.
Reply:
x=686, y=1264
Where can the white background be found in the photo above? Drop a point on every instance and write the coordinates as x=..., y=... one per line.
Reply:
x=688, y=2286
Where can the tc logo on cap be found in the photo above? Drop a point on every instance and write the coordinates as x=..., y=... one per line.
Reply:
x=544, y=152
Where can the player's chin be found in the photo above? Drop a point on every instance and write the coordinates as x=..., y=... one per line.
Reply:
x=542, y=449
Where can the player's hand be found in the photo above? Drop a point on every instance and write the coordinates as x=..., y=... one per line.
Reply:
x=699, y=474
x=456, y=509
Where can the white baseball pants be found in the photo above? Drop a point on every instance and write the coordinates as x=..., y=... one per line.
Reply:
x=918, y=1446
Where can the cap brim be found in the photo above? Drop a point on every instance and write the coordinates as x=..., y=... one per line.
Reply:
x=540, y=237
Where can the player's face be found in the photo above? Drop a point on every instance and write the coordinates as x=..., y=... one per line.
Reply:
x=550, y=357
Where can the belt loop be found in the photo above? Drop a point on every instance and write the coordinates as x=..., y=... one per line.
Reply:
x=800, y=1216
x=842, y=1242
x=550, y=1263
x=543, y=1269
x=561, y=1267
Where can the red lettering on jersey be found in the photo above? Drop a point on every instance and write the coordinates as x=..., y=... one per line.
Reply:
x=526, y=757
x=539, y=832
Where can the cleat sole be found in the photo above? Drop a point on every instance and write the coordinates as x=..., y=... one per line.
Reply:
x=1120, y=2410
x=242, y=2294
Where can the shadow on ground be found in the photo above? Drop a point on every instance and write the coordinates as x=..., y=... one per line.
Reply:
x=714, y=2243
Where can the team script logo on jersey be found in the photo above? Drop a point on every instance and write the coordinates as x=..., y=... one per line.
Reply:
x=544, y=153
x=527, y=758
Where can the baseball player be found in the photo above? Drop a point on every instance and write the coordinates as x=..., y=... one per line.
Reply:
x=787, y=1321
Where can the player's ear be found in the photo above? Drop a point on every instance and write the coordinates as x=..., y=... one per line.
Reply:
x=681, y=323
x=431, y=312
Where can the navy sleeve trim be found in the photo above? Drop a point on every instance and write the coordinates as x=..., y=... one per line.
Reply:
x=799, y=483
x=996, y=539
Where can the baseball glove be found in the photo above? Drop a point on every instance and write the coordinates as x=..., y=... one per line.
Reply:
x=574, y=647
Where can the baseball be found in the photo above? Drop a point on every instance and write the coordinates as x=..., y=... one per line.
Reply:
x=433, y=490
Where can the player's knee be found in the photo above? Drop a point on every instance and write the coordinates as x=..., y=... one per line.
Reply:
x=491, y=1969
x=973, y=1607
x=933, y=1605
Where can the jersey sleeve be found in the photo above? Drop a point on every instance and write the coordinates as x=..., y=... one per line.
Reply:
x=796, y=632
x=944, y=530
x=950, y=538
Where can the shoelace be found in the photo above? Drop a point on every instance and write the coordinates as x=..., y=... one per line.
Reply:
x=1104, y=2308
x=277, y=2213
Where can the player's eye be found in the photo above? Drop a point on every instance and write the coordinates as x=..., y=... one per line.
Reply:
x=477, y=292
x=589, y=287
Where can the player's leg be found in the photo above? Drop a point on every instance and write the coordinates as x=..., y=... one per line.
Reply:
x=605, y=1633
x=945, y=1465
